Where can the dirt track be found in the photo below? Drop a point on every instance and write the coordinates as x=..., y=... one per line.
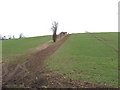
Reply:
x=33, y=73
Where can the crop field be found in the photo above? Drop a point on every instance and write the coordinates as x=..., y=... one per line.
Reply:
x=23, y=45
x=92, y=57
x=76, y=60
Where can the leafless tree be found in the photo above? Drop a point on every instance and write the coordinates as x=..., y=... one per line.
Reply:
x=21, y=35
x=4, y=38
x=13, y=36
x=54, y=29
x=9, y=37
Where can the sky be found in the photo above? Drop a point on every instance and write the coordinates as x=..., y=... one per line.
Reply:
x=35, y=17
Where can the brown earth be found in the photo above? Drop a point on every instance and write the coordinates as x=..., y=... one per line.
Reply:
x=33, y=73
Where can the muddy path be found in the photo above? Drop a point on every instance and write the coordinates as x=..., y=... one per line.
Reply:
x=33, y=73
x=25, y=73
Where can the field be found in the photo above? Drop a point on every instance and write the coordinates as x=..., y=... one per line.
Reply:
x=85, y=57
x=22, y=45
x=77, y=60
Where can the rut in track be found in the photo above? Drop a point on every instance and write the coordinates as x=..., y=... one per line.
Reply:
x=33, y=72
x=25, y=73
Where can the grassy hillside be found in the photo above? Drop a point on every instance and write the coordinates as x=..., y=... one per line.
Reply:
x=85, y=57
x=20, y=46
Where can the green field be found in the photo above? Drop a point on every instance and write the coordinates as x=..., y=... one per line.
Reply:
x=84, y=57
x=20, y=46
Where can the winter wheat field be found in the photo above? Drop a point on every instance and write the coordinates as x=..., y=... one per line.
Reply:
x=81, y=60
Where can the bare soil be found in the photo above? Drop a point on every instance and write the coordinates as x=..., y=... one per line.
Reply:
x=33, y=73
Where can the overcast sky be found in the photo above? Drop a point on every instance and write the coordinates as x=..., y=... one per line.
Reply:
x=34, y=17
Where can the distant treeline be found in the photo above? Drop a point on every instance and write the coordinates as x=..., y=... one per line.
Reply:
x=11, y=37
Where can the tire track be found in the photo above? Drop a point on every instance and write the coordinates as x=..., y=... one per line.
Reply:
x=21, y=72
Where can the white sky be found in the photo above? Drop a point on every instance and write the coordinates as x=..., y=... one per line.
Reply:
x=34, y=17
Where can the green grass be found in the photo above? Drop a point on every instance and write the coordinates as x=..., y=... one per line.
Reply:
x=112, y=38
x=84, y=57
x=21, y=46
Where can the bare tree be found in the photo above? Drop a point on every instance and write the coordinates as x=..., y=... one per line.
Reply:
x=21, y=35
x=9, y=37
x=54, y=29
x=4, y=38
x=86, y=32
x=13, y=36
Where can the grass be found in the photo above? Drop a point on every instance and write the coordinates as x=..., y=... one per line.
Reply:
x=11, y=48
x=84, y=57
x=112, y=39
x=21, y=46
x=81, y=57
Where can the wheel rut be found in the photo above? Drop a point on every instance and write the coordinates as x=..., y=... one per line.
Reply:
x=33, y=73
x=25, y=73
